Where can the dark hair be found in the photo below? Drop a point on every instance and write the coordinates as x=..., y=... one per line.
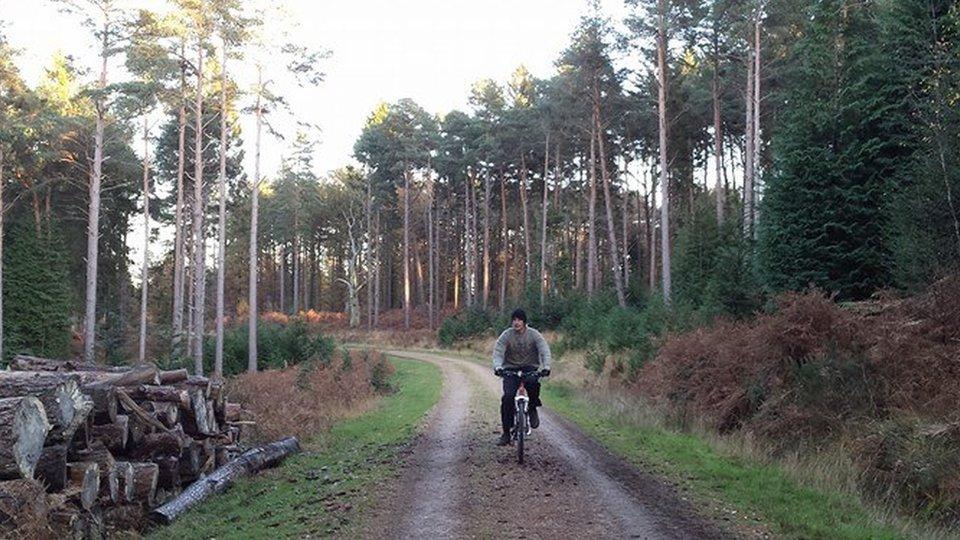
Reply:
x=518, y=314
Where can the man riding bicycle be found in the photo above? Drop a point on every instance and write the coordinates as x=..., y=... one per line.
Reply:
x=523, y=350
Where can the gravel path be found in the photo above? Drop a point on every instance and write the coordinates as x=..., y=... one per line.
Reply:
x=456, y=484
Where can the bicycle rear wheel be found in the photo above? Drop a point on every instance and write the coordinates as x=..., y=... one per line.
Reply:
x=521, y=434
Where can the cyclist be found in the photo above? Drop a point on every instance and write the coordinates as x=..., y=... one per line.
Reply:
x=520, y=349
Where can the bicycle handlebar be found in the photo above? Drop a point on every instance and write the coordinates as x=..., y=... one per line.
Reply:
x=521, y=374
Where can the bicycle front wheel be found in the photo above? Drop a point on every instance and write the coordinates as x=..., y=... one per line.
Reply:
x=521, y=434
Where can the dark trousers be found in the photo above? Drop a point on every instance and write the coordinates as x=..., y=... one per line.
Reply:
x=510, y=386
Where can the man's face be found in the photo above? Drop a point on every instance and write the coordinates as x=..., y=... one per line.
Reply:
x=519, y=325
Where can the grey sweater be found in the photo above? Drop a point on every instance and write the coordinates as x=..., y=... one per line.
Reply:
x=515, y=350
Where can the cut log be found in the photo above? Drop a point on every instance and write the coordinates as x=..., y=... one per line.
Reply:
x=114, y=435
x=23, y=429
x=234, y=413
x=84, y=483
x=23, y=509
x=145, y=483
x=137, y=375
x=191, y=460
x=168, y=413
x=172, y=394
x=133, y=408
x=106, y=464
x=250, y=462
x=126, y=517
x=23, y=362
x=66, y=523
x=197, y=420
x=66, y=406
x=125, y=480
x=138, y=430
x=157, y=445
x=51, y=470
x=174, y=376
x=169, y=473
x=104, y=402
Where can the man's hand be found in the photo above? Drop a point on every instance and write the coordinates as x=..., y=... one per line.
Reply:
x=498, y=372
x=544, y=372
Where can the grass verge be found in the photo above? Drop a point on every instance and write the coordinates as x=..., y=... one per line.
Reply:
x=321, y=491
x=787, y=508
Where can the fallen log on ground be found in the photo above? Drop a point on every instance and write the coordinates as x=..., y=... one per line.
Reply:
x=25, y=362
x=219, y=480
x=23, y=429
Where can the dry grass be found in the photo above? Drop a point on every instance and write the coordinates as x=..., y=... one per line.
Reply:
x=306, y=400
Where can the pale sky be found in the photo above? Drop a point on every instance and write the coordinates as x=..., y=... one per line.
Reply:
x=382, y=50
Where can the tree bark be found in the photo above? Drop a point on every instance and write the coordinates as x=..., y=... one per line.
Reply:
x=222, y=225
x=145, y=482
x=748, y=157
x=592, y=217
x=144, y=276
x=84, y=483
x=431, y=249
x=406, y=248
x=504, y=242
x=198, y=236
x=65, y=405
x=664, y=178
x=23, y=430
x=93, y=212
x=543, y=220
x=178, y=259
x=254, y=218
x=608, y=201
x=719, y=190
x=51, y=469
x=248, y=463
x=487, y=189
x=522, y=186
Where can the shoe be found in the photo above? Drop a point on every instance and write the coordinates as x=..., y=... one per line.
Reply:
x=504, y=439
x=534, y=418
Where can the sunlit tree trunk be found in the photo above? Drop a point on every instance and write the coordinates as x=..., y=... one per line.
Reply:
x=592, y=217
x=178, y=258
x=504, y=242
x=93, y=212
x=198, y=236
x=254, y=220
x=608, y=201
x=664, y=178
x=487, y=187
x=406, y=248
x=543, y=221
x=526, y=219
x=222, y=225
x=142, y=351
x=749, y=170
x=720, y=192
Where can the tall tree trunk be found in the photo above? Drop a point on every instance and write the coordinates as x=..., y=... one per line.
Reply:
x=198, y=237
x=748, y=155
x=664, y=178
x=756, y=122
x=469, y=263
x=178, y=258
x=592, y=216
x=93, y=213
x=142, y=356
x=295, y=255
x=368, y=218
x=431, y=248
x=487, y=187
x=720, y=192
x=543, y=221
x=504, y=244
x=406, y=248
x=282, y=249
x=626, y=239
x=222, y=225
x=526, y=219
x=376, y=270
x=254, y=221
x=608, y=201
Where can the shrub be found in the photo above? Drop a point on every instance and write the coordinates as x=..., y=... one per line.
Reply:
x=595, y=360
x=278, y=345
x=469, y=323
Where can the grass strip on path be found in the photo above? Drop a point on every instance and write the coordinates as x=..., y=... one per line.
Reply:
x=321, y=490
x=789, y=509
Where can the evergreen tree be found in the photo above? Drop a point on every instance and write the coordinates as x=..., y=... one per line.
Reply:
x=837, y=146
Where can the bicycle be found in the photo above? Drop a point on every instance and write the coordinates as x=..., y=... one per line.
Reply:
x=521, y=425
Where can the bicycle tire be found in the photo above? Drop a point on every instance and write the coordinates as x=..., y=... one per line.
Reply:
x=521, y=434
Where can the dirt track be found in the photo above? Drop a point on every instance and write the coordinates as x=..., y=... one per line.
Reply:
x=456, y=484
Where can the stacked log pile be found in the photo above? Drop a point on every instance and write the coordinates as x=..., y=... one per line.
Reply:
x=105, y=441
